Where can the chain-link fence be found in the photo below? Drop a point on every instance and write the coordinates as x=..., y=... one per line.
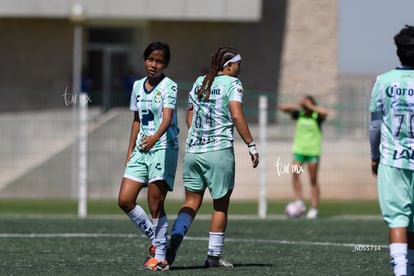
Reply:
x=39, y=151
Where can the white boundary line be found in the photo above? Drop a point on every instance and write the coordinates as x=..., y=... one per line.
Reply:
x=367, y=247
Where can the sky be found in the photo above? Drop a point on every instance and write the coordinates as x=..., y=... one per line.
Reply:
x=366, y=31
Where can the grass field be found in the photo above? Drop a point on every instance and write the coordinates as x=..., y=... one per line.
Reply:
x=46, y=238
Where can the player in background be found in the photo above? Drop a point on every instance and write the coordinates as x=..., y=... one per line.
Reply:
x=214, y=108
x=392, y=151
x=307, y=145
x=152, y=155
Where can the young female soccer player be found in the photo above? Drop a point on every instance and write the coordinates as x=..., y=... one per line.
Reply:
x=392, y=151
x=307, y=147
x=152, y=153
x=214, y=108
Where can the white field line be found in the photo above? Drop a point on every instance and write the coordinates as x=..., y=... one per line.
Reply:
x=122, y=235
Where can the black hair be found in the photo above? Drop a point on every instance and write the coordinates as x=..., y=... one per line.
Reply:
x=218, y=58
x=404, y=41
x=157, y=45
x=312, y=99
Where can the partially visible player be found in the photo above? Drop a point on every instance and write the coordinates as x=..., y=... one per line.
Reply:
x=392, y=151
x=307, y=146
x=152, y=153
x=214, y=108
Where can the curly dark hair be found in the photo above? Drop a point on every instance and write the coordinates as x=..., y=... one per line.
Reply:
x=404, y=41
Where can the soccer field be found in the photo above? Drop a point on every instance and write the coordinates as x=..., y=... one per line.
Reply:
x=110, y=245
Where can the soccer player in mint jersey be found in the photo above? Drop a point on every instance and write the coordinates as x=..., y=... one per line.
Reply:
x=307, y=145
x=214, y=108
x=152, y=155
x=392, y=151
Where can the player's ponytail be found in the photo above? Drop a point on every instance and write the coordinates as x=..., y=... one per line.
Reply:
x=218, y=59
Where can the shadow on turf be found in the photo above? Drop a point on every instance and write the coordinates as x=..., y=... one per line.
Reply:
x=202, y=266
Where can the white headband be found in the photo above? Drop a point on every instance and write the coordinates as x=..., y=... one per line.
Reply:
x=233, y=59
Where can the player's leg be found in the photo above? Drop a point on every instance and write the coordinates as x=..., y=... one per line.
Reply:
x=410, y=253
x=220, y=183
x=194, y=193
x=395, y=205
x=313, y=167
x=157, y=193
x=182, y=223
x=398, y=250
x=128, y=194
x=162, y=166
x=298, y=161
x=410, y=234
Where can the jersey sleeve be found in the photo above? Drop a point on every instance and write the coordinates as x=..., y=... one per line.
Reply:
x=376, y=103
x=193, y=93
x=236, y=91
x=171, y=95
x=133, y=100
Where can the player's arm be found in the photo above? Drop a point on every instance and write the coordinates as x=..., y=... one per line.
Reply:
x=288, y=108
x=374, y=140
x=189, y=117
x=149, y=141
x=133, y=136
x=243, y=130
x=323, y=112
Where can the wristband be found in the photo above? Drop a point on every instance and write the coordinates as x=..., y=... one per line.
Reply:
x=252, y=148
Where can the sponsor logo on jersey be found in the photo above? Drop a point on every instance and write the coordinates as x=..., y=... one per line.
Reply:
x=403, y=154
x=215, y=91
x=200, y=141
x=395, y=90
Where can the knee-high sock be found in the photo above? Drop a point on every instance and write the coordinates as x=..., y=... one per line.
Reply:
x=398, y=253
x=181, y=224
x=160, y=237
x=141, y=220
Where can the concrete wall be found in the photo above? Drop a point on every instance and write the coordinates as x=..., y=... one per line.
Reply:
x=36, y=63
x=37, y=53
x=309, y=63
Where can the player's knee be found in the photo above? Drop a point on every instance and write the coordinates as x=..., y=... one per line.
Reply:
x=125, y=205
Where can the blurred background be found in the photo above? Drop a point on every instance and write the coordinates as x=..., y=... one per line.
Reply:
x=332, y=49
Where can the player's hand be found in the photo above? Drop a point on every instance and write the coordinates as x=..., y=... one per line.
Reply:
x=374, y=167
x=253, y=153
x=147, y=142
x=255, y=159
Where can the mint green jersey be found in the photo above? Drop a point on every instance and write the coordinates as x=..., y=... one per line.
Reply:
x=393, y=97
x=150, y=105
x=212, y=127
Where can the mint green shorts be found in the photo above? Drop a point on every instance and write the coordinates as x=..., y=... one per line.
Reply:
x=147, y=167
x=396, y=196
x=213, y=170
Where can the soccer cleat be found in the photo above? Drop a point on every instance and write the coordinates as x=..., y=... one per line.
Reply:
x=312, y=213
x=172, y=247
x=214, y=261
x=151, y=253
x=155, y=265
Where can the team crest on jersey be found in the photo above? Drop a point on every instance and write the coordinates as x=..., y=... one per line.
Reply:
x=157, y=97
